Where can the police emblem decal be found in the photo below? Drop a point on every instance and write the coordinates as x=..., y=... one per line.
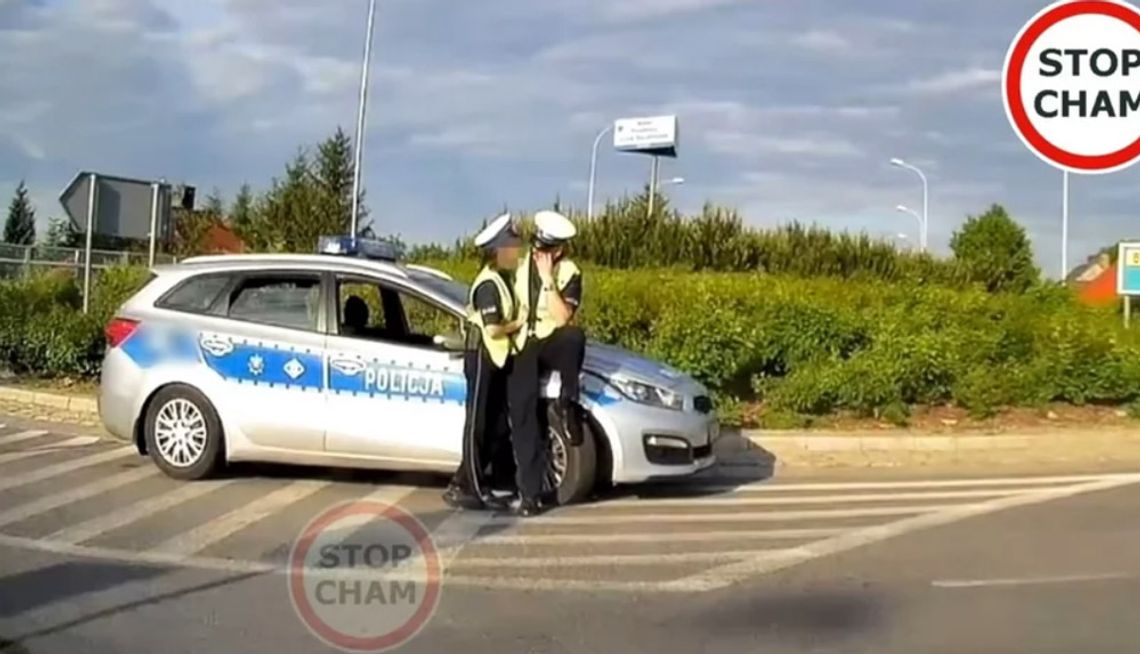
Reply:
x=294, y=369
x=256, y=365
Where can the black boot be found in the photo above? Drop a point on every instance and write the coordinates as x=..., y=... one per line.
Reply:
x=529, y=508
x=459, y=498
x=569, y=421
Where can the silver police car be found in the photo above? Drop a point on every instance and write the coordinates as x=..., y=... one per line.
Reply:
x=255, y=358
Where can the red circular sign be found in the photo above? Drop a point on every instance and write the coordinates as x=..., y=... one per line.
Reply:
x=1061, y=16
x=345, y=581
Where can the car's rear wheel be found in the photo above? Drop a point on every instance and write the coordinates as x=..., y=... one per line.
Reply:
x=572, y=470
x=183, y=433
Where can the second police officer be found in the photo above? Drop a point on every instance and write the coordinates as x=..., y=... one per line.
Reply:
x=492, y=312
x=549, y=287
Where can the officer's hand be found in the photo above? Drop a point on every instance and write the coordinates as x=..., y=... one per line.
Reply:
x=544, y=262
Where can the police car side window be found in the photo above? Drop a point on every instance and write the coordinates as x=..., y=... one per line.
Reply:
x=426, y=320
x=291, y=302
x=194, y=295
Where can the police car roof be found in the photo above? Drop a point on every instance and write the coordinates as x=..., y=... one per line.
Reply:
x=231, y=261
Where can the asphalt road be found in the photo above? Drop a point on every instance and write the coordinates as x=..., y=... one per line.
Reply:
x=100, y=553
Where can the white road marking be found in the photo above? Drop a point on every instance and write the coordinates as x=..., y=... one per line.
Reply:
x=1031, y=581
x=737, y=516
x=722, y=576
x=48, y=472
x=78, y=441
x=56, y=500
x=205, y=535
x=21, y=436
x=263, y=567
x=779, y=487
x=675, y=537
x=603, y=559
x=134, y=512
x=456, y=531
x=738, y=500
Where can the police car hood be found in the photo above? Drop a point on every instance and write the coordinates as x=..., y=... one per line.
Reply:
x=608, y=361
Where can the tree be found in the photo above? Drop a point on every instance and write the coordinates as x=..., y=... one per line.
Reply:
x=20, y=227
x=61, y=234
x=241, y=213
x=333, y=172
x=313, y=199
x=994, y=250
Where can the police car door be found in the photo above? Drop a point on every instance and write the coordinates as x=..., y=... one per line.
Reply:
x=266, y=347
x=393, y=393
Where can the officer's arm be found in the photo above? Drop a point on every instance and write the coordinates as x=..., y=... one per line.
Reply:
x=487, y=304
x=565, y=302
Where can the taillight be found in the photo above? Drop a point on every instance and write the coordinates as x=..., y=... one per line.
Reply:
x=119, y=330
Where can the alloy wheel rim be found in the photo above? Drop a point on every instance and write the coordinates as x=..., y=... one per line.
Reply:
x=180, y=433
x=558, y=459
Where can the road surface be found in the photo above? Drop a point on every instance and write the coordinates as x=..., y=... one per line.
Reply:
x=101, y=553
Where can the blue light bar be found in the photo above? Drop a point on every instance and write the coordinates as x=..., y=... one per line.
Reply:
x=365, y=248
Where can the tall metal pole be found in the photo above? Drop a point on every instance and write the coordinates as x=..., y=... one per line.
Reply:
x=1064, y=225
x=92, y=198
x=653, y=184
x=360, y=118
x=594, y=171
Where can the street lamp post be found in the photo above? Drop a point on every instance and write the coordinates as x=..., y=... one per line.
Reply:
x=1064, y=226
x=925, y=198
x=904, y=209
x=594, y=170
x=360, y=118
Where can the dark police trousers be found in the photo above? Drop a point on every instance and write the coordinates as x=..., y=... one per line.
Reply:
x=563, y=351
x=486, y=430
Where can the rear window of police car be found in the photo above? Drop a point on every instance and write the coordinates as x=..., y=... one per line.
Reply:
x=195, y=295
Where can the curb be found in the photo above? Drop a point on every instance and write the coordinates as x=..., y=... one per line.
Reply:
x=87, y=406
x=814, y=443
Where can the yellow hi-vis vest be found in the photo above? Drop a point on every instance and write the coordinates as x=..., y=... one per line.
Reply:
x=543, y=321
x=498, y=348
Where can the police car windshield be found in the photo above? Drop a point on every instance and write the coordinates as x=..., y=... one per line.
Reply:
x=446, y=288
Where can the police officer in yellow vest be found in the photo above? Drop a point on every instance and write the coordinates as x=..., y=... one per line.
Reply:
x=492, y=314
x=549, y=288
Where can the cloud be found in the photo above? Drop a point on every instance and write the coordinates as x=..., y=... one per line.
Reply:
x=787, y=109
x=955, y=81
x=638, y=10
x=822, y=40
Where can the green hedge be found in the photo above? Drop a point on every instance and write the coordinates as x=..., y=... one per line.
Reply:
x=815, y=346
x=43, y=331
x=801, y=346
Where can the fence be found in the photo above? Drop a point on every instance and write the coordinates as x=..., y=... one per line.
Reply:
x=18, y=260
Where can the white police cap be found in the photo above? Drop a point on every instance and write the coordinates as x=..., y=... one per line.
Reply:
x=552, y=228
x=500, y=233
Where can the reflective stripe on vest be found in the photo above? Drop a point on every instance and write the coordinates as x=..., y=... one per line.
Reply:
x=498, y=348
x=544, y=323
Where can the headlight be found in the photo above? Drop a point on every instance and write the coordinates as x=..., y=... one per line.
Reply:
x=648, y=394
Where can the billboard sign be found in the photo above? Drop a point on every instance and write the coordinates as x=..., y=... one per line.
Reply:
x=655, y=135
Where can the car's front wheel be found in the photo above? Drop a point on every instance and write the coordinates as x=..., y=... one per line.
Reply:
x=572, y=470
x=183, y=433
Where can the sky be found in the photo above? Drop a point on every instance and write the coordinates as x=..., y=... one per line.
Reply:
x=787, y=110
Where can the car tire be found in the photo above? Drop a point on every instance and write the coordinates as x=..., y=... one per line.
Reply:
x=581, y=461
x=184, y=434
